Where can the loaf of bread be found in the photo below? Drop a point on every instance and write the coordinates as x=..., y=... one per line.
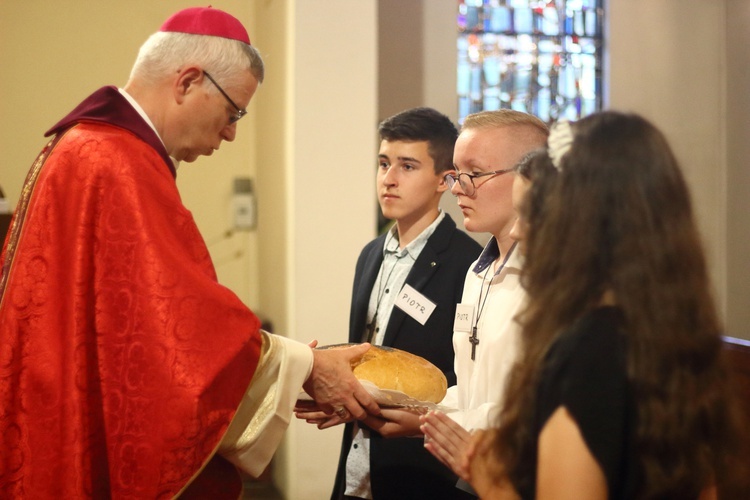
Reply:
x=394, y=369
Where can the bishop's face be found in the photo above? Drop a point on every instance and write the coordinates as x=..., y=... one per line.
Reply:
x=210, y=116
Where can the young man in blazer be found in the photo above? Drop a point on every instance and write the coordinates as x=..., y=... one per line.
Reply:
x=422, y=256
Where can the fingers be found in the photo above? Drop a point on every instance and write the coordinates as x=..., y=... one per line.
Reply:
x=439, y=453
x=330, y=422
x=321, y=419
x=341, y=412
x=346, y=389
x=305, y=405
x=394, y=423
x=438, y=423
x=366, y=404
x=471, y=452
x=335, y=388
x=356, y=351
x=313, y=343
x=354, y=402
x=445, y=439
x=311, y=415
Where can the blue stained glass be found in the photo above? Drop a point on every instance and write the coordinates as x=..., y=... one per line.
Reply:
x=570, y=112
x=476, y=83
x=492, y=71
x=578, y=28
x=464, y=106
x=464, y=78
x=525, y=43
x=588, y=77
x=523, y=20
x=543, y=105
x=522, y=81
x=461, y=20
x=567, y=83
x=500, y=19
x=587, y=47
x=550, y=24
x=540, y=56
x=519, y=105
x=589, y=106
x=508, y=44
x=543, y=79
x=547, y=47
x=506, y=83
x=472, y=19
x=491, y=99
x=591, y=22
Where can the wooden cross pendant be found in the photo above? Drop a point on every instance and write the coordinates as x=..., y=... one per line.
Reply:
x=474, y=341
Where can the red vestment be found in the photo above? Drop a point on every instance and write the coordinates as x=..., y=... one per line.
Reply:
x=122, y=359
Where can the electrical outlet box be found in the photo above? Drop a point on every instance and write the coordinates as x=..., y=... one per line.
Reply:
x=244, y=215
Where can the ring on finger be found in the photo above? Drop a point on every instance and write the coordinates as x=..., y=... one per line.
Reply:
x=341, y=411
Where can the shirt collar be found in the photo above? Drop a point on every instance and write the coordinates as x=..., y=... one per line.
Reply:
x=490, y=253
x=415, y=247
x=137, y=107
x=513, y=259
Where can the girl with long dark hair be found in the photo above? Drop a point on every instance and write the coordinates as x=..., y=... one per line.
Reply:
x=621, y=390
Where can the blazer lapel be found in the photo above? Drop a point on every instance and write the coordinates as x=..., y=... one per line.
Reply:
x=362, y=293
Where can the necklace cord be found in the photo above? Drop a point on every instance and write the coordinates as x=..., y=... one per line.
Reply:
x=473, y=338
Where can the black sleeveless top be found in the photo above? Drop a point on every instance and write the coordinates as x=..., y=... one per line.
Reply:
x=585, y=371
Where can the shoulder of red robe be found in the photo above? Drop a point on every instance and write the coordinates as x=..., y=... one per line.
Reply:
x=206, y=21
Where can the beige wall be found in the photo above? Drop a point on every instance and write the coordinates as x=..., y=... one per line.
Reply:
x=737, y=107
x=54, y=54
x=690, y=74
x=672, y=71
x=309, y=141
x=329, y=114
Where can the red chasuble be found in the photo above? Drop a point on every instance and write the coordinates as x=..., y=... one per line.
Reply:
x=122, y=360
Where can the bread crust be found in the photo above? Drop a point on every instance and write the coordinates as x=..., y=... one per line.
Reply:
x=397, y=370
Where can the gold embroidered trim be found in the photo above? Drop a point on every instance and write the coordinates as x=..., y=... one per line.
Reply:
x=20, y=215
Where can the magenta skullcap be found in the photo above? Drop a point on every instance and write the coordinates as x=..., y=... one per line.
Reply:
x=206, y=21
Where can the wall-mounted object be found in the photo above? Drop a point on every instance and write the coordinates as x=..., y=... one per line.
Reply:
x=244, y=212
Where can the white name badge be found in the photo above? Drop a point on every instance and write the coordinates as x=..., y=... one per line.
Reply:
x=415, y=304
x=464, y=318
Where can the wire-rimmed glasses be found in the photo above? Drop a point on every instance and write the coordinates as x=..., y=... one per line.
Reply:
x=466, y=180
x=240, y=112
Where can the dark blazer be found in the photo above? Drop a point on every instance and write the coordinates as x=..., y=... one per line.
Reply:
x=401, y=467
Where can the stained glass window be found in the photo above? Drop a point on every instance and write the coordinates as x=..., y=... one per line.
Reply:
x=541, y=57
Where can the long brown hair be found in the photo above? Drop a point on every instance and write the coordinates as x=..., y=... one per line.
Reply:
x=618, y=217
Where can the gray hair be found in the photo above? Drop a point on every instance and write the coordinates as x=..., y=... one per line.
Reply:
x=164, y=53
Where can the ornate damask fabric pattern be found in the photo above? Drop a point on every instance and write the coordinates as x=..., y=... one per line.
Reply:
x=122, y=360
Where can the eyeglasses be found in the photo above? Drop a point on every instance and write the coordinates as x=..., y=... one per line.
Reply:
x=466, y=181
x=240, y=112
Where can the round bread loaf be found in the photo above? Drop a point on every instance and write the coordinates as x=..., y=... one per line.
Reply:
x=394, y=369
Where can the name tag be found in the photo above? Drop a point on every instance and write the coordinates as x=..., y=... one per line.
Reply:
x=415, y=304
x=464, y=318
